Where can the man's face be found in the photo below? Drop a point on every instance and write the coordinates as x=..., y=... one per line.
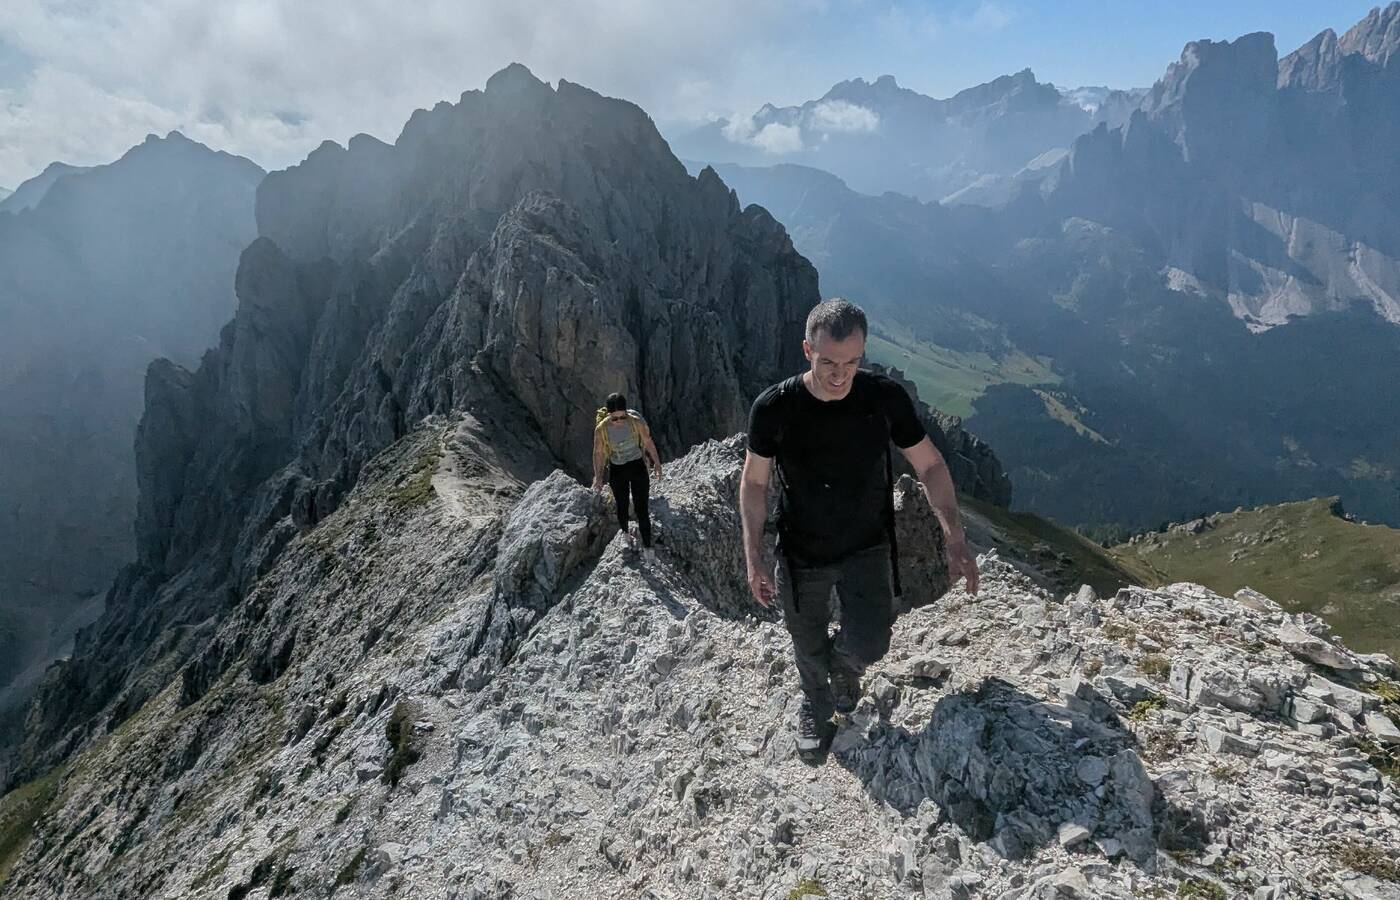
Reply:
x=834, y=362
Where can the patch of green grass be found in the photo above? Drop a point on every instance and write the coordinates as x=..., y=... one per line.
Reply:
x=415, y=487
x=19, y=810
x=1088, y=562
x=1303, y=555
x=1199, y=887
x=1386, y=760
x=1367, y=858
x=952, y=380
x=1223, y=772
x=404, y=750
x=1142, y=708
x=806, y=886
x=1155, y=665
x=1119, y=632
x=1389, y=691
x=1057, y=409
x=351, y=869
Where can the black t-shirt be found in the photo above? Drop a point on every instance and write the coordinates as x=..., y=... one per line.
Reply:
x=830, y=457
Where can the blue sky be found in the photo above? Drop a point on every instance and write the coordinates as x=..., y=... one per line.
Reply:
x=940, y=48
x=83, y=80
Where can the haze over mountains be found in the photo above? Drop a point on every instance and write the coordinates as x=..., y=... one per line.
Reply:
x=101, y=271
x=880, y=137
x=1192, y=311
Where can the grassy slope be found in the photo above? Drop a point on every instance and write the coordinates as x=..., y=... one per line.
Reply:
x=1301, y=555
x=1056, y=550
x=951, y=380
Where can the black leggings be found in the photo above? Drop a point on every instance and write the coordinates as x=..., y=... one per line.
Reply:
x=632, y=476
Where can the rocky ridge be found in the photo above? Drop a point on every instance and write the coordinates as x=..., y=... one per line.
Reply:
x=459, y=684
x=520, y=253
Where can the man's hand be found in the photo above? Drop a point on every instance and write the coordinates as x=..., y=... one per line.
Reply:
x=656, y=472
x=598, y=484
x=962, y=564
x=761, y=585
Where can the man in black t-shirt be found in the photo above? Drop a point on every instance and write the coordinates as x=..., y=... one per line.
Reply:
x=828, y=430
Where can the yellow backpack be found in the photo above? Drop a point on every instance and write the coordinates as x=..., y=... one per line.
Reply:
x=599, y=422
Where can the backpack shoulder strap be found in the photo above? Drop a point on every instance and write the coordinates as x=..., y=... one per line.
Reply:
x=876, y=387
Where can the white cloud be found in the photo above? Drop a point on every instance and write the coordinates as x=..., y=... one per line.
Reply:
x=270, y=79
x=842, y=116
x=774, y=137
x=740, y=129
x=777, y=138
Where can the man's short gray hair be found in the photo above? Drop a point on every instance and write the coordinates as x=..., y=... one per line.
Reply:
x=838, y=317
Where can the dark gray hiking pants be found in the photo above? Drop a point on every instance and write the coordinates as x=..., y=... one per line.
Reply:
x=866, y=590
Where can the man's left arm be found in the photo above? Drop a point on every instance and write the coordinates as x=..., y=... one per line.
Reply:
x=933, y=474
x=909, y=436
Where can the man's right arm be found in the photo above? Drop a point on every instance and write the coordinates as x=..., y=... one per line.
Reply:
x=753, y=503
x=753, y=512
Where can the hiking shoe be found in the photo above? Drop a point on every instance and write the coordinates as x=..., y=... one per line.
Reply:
x=649, y=554
x=811, y=728
x=631, y=540
x=845, y=688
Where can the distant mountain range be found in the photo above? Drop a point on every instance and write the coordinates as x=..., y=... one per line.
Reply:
x=879, y=137
x=31, y=191
x=101, y=270
x=1189, y=312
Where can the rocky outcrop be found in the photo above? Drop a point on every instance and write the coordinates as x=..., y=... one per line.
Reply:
x=460, y=683
x=521, y=254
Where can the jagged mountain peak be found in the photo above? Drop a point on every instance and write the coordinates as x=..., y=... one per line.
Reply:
x=1376, y=37
x=1313, y=65
x=515, y=80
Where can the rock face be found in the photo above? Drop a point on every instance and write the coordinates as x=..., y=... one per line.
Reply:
x=101, y=271
x=460, y=684
x=520, y=253
x=1260, y=180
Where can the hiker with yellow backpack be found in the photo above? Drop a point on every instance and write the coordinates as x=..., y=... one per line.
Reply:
x=622, y=440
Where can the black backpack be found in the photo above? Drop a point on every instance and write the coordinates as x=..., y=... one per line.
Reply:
x=788, y=387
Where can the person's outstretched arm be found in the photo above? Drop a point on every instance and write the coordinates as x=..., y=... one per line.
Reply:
x=753, y=512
